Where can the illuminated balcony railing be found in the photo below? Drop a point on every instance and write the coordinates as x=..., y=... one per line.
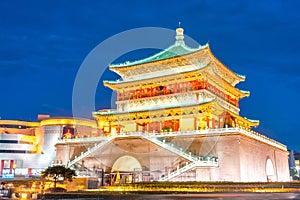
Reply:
x=206, y=93
x=176, y=89
x=241, y=130
x=81, y=139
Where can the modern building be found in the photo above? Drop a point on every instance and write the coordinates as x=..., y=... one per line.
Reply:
x=26, y=148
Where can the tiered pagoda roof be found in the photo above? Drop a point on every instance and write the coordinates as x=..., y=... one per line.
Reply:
x=172, y=51
x=176, y=58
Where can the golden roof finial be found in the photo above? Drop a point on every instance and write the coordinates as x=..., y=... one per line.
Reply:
x=179, y=35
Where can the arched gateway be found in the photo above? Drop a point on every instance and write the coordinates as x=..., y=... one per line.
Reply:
x=126, y=164
x=271, y=176
x=126, y=169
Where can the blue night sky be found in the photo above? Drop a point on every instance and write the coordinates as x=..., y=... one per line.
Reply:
x=43, y=43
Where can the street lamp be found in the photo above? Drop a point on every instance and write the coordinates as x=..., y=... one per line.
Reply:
x=14, y=168
x=102, y=176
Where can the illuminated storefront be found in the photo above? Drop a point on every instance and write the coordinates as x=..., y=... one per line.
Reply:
x=26, y=148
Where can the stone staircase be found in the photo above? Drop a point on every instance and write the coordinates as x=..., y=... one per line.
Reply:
x=170, y=147
x=89, y=151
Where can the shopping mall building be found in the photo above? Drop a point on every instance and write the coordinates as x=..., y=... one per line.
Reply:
x=26, y=148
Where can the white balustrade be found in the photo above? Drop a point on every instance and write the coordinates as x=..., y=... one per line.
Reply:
x=154, y=138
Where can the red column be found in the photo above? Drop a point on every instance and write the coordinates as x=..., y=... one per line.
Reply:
x=118, y=128
x=195, y=123
x=1, y=167
x=11, y=166
x=109, y=128
x=207, y=121
x=29, y=171
x=176, y=125
x=160, y=127
x=213, y=123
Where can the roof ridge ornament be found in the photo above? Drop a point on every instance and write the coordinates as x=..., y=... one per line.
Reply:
x=179, y=35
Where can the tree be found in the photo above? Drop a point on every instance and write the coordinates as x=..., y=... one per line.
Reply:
x=58, y=171
x=294, y=173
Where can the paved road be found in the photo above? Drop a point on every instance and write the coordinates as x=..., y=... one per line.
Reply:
x=206, y=196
